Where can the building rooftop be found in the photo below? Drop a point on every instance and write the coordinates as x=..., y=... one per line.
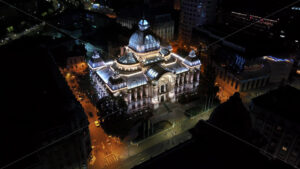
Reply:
x=155, y=72
x=128, y=58
x=232, y=116
x=136, y=80
x=141, y=42
x=177, y=68
x=211, y=148
x=245, y=41
x=105, y=73
x=38, y=106
x=263, y=70
x=283, y=101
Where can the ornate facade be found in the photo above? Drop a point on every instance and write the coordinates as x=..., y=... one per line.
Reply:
x=146, y=73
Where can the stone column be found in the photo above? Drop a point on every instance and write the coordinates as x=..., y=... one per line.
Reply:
x=187, y=77
x=182, y=80
x=183, y=83
x=147, y=91
x=198, y=76
x=129, y=96
x=171, y=92
x=141, y=91
x=135, y=94
x=141, y=95
x=192, y=77
x=154, y=97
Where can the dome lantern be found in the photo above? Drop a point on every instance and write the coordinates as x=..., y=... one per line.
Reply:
x=143, y=25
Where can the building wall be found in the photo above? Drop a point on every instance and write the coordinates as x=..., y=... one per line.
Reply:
x=164, y=30
x=167, y=88
x=280, y=71
x=230, y=83
x=151, y=95
x=70, y=153
x=283, y=141
x=195, y=13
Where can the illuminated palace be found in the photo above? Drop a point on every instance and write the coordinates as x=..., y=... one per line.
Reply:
x=146, y=74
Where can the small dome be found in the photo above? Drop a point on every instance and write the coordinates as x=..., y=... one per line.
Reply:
x=192, y=59
x=143, y=25
x=128, y=58
x=96, y=55
x=164, y=52
x=192, y=54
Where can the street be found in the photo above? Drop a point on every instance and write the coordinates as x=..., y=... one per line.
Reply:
x=111, y=152
x=105, y=149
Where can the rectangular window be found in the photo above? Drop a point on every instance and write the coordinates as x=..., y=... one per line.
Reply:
x=162, y=89
x=236, y=85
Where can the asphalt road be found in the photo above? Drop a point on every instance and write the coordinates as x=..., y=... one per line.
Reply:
x=154, y=150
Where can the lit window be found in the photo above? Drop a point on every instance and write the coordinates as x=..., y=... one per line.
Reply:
x=284, y=148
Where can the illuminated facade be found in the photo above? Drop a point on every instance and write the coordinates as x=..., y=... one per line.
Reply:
x=146, y=73
x=246, y=75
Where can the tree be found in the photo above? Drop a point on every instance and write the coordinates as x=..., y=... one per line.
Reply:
x=110, y=105
x=113, y=116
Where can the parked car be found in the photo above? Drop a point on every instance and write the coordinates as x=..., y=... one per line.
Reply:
x=97, y=123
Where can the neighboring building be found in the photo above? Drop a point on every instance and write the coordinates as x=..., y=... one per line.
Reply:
x=252, y=30
x=49, y=128
x=258, y=23
x=232, y=116
x=162, y=24
x=177, y=4
x=195, y=13
x=166, y=4
x=245, y=40
x=211, y=148
x=252, y=77
x=252, y=33
x=75, y=3
x=146, y=73
x=276, y=116
x=237, y=73
x=281, y=68
x=243, y=74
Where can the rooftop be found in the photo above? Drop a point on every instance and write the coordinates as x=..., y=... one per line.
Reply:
x=155, y=72
x=211, y=148
x=37, y=100
x=128, y=58
x=283, y=101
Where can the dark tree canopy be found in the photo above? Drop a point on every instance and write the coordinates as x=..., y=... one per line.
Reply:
x=110, y=105
x=113, y=116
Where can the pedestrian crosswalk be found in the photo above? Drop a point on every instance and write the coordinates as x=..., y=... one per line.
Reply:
x=110, y=159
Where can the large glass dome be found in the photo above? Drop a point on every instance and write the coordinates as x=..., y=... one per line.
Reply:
x=140, y=41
